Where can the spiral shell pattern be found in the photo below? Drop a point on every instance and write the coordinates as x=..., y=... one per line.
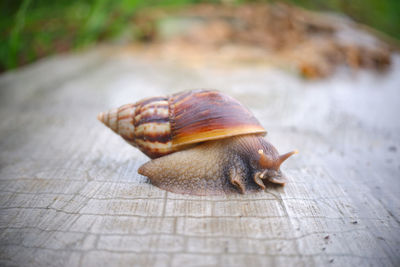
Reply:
x=144, y=125
x=161, y=125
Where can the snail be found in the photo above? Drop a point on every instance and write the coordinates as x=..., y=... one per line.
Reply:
x=201, y=142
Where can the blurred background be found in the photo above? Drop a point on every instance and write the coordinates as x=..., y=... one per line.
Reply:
x=32, y=29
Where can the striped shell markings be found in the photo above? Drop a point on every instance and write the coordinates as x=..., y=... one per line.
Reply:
x=144, y=125
x=161, y=125
x=203, y=115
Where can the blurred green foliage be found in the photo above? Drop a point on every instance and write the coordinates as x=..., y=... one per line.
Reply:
x=30, y=29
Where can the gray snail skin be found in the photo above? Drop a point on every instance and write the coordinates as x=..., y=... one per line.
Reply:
x=201, y=142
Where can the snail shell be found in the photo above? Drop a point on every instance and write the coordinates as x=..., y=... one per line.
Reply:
x=161, y=125
x=215, y=144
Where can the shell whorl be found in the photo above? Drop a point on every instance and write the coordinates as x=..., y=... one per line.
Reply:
x=144, y=125
x=161, y=125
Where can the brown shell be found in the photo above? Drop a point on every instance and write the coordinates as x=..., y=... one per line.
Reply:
x=203, y=115
x=161, y=125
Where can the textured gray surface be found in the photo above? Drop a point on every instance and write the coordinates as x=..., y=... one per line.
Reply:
x=71, y=195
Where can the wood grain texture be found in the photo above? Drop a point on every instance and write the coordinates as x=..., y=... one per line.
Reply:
x=70, y=194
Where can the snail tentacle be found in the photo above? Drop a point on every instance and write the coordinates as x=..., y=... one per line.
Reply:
x=280, y=180
x=258, y=181
x=237, y=179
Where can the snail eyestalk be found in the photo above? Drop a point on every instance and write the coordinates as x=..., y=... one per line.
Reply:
x=285, y=156
x=265, y=161
x=270, y=162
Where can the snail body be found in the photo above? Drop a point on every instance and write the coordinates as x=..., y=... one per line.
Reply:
x=201, y=142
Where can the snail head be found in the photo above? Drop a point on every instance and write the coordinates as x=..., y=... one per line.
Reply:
x=270, y=164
